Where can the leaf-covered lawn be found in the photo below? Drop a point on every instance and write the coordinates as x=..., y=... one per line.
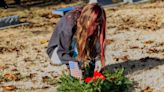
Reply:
x=135, y=41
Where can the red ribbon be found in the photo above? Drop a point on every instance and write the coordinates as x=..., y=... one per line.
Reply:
x=96, y=75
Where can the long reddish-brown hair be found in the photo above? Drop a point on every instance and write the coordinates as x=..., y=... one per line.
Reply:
x=91, y=26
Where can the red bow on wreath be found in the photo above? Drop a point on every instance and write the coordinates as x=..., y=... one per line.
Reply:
x=96, y=75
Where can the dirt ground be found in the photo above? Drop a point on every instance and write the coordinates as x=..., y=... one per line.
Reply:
x=135, y=41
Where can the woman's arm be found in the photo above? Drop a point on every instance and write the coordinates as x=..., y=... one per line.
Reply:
x=65, y=39
x=53, y=42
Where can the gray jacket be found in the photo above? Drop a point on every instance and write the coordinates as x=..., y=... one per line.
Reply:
x=63, y=36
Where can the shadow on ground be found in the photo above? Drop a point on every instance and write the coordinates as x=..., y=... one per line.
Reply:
x=132, y=66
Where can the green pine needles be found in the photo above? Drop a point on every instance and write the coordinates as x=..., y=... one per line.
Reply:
x=111, y=82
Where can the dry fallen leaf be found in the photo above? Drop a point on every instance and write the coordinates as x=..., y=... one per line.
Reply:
x=162, y=55
x=2, y=67
x=43, y=41
x=45, y=87
x=116, y=59
x=9, y=88
x=153, y=50
x=125, y=58
x=1, y=80
x=54, y=16
x=45, y=79
x=109, y=41
x=50, y=15
x=148, y=89
x=134, y=47
x=148, y=42
x=32, y=75
x=10, y=76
